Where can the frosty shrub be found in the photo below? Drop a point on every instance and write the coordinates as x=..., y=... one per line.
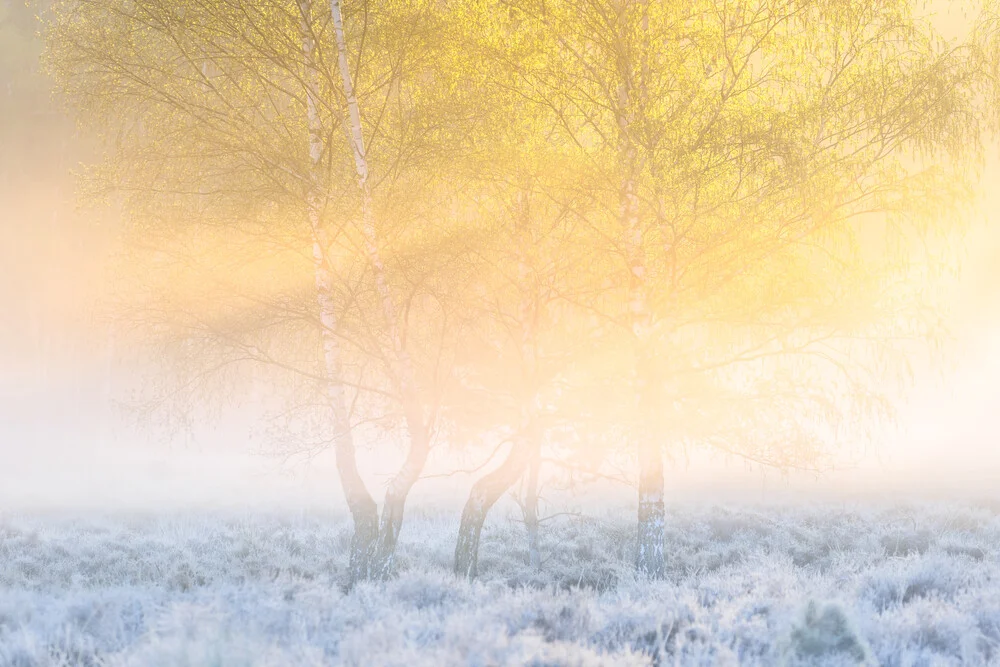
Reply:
x=265, y=590
x=826, y=633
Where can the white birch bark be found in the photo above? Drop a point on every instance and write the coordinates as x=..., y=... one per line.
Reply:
x=405, y=375
x=362, y=506
x=650, y=557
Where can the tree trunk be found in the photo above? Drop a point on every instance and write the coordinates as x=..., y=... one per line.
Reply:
x=384, y=556
x=651, y=513
x=529, y=311
x=485, y=493
x=383, y=559
x=650, y=559
x=355, y=133
x=488, y=490
x=531, y=510
x=470, y=528
x=363, y=509
x=362, y=506
x=383, y=552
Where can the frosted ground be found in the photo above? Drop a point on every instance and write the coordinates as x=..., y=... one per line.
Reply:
x=825, y=583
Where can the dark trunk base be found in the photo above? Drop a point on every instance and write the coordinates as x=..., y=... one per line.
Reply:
x=384, y=557
x=483, y=496
x=469, y=530
x=363, y=545
x=530, y=511
x=651, y=557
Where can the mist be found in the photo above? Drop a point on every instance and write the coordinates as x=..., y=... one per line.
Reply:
x=673, y=329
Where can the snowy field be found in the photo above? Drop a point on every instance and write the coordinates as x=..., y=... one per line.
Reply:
x=816, y=584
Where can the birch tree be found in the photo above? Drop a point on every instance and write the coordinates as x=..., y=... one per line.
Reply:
x=524, y=349
x=751, y=155
x=321, y=129
x=527, y=338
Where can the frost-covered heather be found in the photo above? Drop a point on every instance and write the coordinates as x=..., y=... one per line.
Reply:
x=917, y=585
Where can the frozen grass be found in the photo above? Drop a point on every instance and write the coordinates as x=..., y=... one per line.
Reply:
x=812, y=585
